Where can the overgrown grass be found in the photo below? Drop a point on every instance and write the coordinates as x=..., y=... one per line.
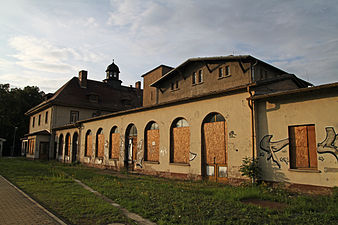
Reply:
x=51, y=187
x=185, y=202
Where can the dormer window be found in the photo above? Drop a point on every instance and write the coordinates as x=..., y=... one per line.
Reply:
x=93, y=98
x=194, y=78
x=200, y=76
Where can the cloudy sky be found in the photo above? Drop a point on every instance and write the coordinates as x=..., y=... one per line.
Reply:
x=44, y=43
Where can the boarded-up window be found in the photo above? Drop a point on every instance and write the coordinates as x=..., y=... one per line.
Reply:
x=181, y=144
x=67, y=147
x=215, y=142
x=115, y=145
x=31, y=146
x=100, y=145
x=153, y=145
x=303, y=147
x=88, y=144
x=60, y=145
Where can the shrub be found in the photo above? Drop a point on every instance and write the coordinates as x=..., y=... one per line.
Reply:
x=250, y=168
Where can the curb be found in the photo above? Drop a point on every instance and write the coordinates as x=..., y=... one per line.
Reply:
x=35, y=202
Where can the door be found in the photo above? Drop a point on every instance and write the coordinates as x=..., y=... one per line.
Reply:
x=214, y=151
x=43, y=151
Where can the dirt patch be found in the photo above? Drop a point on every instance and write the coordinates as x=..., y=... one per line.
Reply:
x=265, y=204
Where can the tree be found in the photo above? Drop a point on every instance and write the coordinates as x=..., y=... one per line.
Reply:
x=13, y=105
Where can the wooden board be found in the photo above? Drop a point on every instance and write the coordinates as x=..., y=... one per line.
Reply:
x=214, y=137
x=312, y=146
x=115, y=145
x=100, y=145
x=61, y=147
x=181, y=144
x=134, y=147
x=89, y=146
x=153, y=145
x=68, y=145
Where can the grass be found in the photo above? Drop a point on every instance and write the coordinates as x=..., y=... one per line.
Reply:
x=170, y=201
x=52, y=188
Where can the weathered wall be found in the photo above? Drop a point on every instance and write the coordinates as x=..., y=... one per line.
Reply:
x=211, y=81
x=233, y=108
x=43, y=125
x=276, y=115
x=149, y=93
x=61, y=114
x=62, y=157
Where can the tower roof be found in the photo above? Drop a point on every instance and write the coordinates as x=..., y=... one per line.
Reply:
x=113, y=67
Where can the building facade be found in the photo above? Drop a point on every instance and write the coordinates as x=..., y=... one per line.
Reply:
x=200, y=119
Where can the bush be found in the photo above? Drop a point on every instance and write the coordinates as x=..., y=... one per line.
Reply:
x=250, y=168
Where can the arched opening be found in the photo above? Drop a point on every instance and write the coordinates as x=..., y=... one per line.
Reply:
x=214, y=147
x=114, y=143
x=75, y=145
x=131, y=146
x=179, y=141
x=152, y=142
x=60, y=150
x=67, y=146
x=88, y=144
x=99, y=143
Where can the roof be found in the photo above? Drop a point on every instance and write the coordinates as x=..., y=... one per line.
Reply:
x=169, y=67
x=41, y=132
x=73, y=95
x=333, y=86
x=216, y=58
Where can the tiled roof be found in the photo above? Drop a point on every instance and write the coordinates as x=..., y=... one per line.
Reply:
x=109, y=98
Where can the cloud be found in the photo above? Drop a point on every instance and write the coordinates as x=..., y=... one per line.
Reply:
x=41, y=55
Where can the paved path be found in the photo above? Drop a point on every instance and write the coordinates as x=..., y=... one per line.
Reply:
x=137, y=218
x=18, y=208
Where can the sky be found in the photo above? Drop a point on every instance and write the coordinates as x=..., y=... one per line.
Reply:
x=45, y=43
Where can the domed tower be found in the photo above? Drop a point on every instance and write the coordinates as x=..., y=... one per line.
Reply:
x=112, y=75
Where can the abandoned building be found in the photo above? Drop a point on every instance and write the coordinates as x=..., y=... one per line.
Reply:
x=198, y=120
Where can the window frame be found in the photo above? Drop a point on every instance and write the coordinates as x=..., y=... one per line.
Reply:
x=77, y=115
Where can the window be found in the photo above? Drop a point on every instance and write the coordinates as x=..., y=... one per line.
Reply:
x=194, y=78
x=88, y=144
x=114, y=143
x=67, y=145
x=177, y=84
x=99, y=144
x=152, y=144
x=74, y=116
x=93, y=98
x=200, y=76
x=303, y=153
x=220, y=72
x=39, y=121
x=46, y=117
x=60, y=150
x=227, y=71
x=172, y=86
x=179, y=141
x=33, y=123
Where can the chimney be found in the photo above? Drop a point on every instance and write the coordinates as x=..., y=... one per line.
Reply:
x=83, y=78
x=138, y=85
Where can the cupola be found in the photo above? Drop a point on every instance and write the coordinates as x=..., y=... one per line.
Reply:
x=112, y=71
x=112, y=75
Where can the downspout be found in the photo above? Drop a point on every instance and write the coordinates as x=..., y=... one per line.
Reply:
x=251, y=106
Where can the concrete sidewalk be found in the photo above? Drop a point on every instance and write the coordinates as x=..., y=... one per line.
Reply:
x=18, y=208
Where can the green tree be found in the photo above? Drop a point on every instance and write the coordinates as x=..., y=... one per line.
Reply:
x=13, y=105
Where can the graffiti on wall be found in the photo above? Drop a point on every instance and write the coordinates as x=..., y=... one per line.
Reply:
x=122, y=149
x=271, y=147
x=192, y=156
x=330, y=144
x=285, y=160
x=139, y=156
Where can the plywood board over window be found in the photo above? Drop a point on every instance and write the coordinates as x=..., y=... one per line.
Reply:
x=68, y=145
x=115, y=145
x=303, y=147
x=153, y=145
x=215, y=142
x=100, y=145
x=181, y=144
x=89, y=146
